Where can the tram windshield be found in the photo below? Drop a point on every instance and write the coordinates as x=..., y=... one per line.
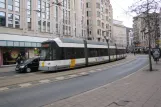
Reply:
x=43, y=53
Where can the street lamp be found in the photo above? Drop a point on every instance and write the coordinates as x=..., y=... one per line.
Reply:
x=107, y=41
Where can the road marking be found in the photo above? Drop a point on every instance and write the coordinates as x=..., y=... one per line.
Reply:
x=3, y=88
x=17, y=75
x=83, y=73
x=99, y=69
x=2, y=77
x=44, y=81
x=92, y=71
x=25, y=85
x=60, y=78
x=72, y=76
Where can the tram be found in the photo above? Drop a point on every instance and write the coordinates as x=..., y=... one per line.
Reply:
x=66, y=53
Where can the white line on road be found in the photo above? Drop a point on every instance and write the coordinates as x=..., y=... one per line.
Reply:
x=44, y=81
x=83, y=73
x=17, y=75
x=2, y=77
x=3, y=88
x=72, y=76
x=99, y=69
x=60, y=78
x=25, y=85
x=92, y=71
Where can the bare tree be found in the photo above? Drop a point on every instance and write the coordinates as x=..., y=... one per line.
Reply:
x=143, y=8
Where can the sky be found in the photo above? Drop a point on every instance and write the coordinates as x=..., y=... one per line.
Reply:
x=120, y=7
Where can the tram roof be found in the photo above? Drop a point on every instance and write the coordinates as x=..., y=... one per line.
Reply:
x=79, y=41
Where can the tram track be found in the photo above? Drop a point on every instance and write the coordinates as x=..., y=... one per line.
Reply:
x=12, y=81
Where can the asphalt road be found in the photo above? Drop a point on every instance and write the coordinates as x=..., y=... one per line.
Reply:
x=37, y=96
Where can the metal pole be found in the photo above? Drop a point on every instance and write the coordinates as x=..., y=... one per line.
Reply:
x=148, y=22
x=86, y=52
x=108, y=50
x=116, y=51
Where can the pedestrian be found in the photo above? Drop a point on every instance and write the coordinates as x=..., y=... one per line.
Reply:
x=19, y=59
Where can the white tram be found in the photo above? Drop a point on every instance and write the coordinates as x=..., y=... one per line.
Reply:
x=65, y=53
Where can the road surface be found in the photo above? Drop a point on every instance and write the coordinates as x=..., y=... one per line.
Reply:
x=44, y=94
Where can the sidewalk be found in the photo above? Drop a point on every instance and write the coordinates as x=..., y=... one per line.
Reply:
x=141, y=89
x=7, y=69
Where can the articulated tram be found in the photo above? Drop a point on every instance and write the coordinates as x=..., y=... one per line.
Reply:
x=66, y=53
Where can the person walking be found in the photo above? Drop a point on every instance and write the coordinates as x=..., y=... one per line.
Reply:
x=19, y=59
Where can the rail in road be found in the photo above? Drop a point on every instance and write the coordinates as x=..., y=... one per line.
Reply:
x=43, y=94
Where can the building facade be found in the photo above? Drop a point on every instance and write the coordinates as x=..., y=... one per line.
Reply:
x=24, y=24
x=141, y=34
x=119, y=33
x=99, y=20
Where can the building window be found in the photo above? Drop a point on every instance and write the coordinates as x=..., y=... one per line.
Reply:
x=10, y=20
x=44, y=26
x=2, y=3
x=2, y=19
x=68, y=4
x=98, y=31
x=98, y=5
x=39, y=25
x=102, y=25
x=48, y=26
x=29, y=8
x=29, y=23
x=10, y=4
x=17, y=5
x=106, y=11
x=98, y=14
x=57, y=29
x=88, y=5
x=17, y=21
x=98, y=23
x=102, y=9
x=106, y=18
x=48, y=11
x=29, y=14
x=87, y=22
x=88, y=13
x=56, y=13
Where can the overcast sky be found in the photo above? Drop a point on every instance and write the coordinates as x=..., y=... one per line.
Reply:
x=119, y=13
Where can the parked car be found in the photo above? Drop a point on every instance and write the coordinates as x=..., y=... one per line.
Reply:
x=28, y=65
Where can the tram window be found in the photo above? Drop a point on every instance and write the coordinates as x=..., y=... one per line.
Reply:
x=112, y=51
x=54, y=54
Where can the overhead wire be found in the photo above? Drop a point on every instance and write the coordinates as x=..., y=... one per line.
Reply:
x=127, y=13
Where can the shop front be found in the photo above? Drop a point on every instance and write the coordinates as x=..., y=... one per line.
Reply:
x=11, y=46
x=9, y=52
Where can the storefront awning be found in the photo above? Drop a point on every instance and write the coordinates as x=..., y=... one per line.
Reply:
x=11, y=40
x=5, y=43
